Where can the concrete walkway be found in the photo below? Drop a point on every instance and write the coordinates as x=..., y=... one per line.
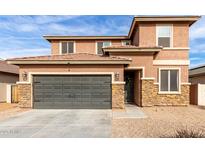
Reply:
x=58, y=123
x=131, y=111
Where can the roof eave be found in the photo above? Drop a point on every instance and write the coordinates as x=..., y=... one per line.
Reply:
x=197, y=71
x=15, y=73
x=50, y=62
x=53, y=37
x=134, y=50
x=190, y=19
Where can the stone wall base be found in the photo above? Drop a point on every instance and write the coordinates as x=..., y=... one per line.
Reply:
x=24, y=95
x=118, y=98
x=151, y=97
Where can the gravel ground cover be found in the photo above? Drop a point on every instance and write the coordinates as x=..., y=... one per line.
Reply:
x=160, y=122
x=8, y=110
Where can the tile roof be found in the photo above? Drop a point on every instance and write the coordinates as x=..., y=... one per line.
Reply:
x=71, y=57
x=131, y=47
x=197, y=71
x=4, y=67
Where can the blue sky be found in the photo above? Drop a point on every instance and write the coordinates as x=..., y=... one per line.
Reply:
x=22, y=35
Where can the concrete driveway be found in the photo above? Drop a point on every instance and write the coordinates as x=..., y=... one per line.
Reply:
x=58, y=123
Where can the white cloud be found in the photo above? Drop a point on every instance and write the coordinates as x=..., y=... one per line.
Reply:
x=82, y=29
x=23, y=52
x=22, y=35
x=198, y=63
x=51, y=19
x=195, y=58
x=42, y=19
x=197, y=33
x=31, y=23
x=27, y=27
x=197, y=30
x=197, y=48
x=52, y=25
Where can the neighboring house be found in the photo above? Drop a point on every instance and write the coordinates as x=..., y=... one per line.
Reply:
x=197, y=80
x=9, y=74
x=147, y=67
x=197, y=75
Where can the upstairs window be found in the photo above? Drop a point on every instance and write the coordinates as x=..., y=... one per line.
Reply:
x=102, y=44
x=169, y=80
x=67, y=47
x=164, y=36
x=126, y=42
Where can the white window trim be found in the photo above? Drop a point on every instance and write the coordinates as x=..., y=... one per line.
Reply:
x=177, y=48
x=96, y=46
x=126, y=41
x=172, y=34
x=60, y=47
x=179, y=80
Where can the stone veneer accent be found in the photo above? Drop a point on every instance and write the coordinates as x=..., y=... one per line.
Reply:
x=150, y=96
x=24, y=95
x=118, y=99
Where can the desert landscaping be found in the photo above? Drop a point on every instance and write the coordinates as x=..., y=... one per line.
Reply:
x=161, y=122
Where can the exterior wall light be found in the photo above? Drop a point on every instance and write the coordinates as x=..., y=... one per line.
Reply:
x=117, y=76
x=24, y=76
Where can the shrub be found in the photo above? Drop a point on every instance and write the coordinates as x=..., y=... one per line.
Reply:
x=185, y=133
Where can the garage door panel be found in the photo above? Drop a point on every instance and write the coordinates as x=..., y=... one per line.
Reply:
x=73, y=91
x=48, y=81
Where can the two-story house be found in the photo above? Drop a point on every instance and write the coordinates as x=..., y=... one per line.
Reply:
x=147, y=67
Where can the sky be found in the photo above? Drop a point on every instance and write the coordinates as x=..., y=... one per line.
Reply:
x=22, y=35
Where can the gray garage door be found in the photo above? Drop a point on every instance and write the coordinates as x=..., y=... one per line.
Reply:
x=73, y=91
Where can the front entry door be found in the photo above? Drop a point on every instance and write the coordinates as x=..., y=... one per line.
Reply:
x=129, y=87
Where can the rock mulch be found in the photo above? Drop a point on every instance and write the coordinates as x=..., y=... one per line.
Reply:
x=160, y=122
x=8, y=110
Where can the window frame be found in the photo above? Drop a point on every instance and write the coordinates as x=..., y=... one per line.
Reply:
x=60, y=47
x=171, y=37
x=96, y=46
x=179, y=81
x=125, y=41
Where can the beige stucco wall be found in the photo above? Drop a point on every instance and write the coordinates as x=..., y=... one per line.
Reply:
x=146, y=61
x=143, y=35
x=139, y=60
x=81, y=46
x=147, y=34
x=74, y=68
x=172, y=54
x=3, y=92
x=183, y=71
x=135, y=36
x=5, y=79
x=197, y=79
x=8, y=78
x=54, y=47
x=180, y=35
x=85, y=46
x=137, y=88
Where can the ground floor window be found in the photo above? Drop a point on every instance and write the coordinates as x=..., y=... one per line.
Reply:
x=169, y=80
